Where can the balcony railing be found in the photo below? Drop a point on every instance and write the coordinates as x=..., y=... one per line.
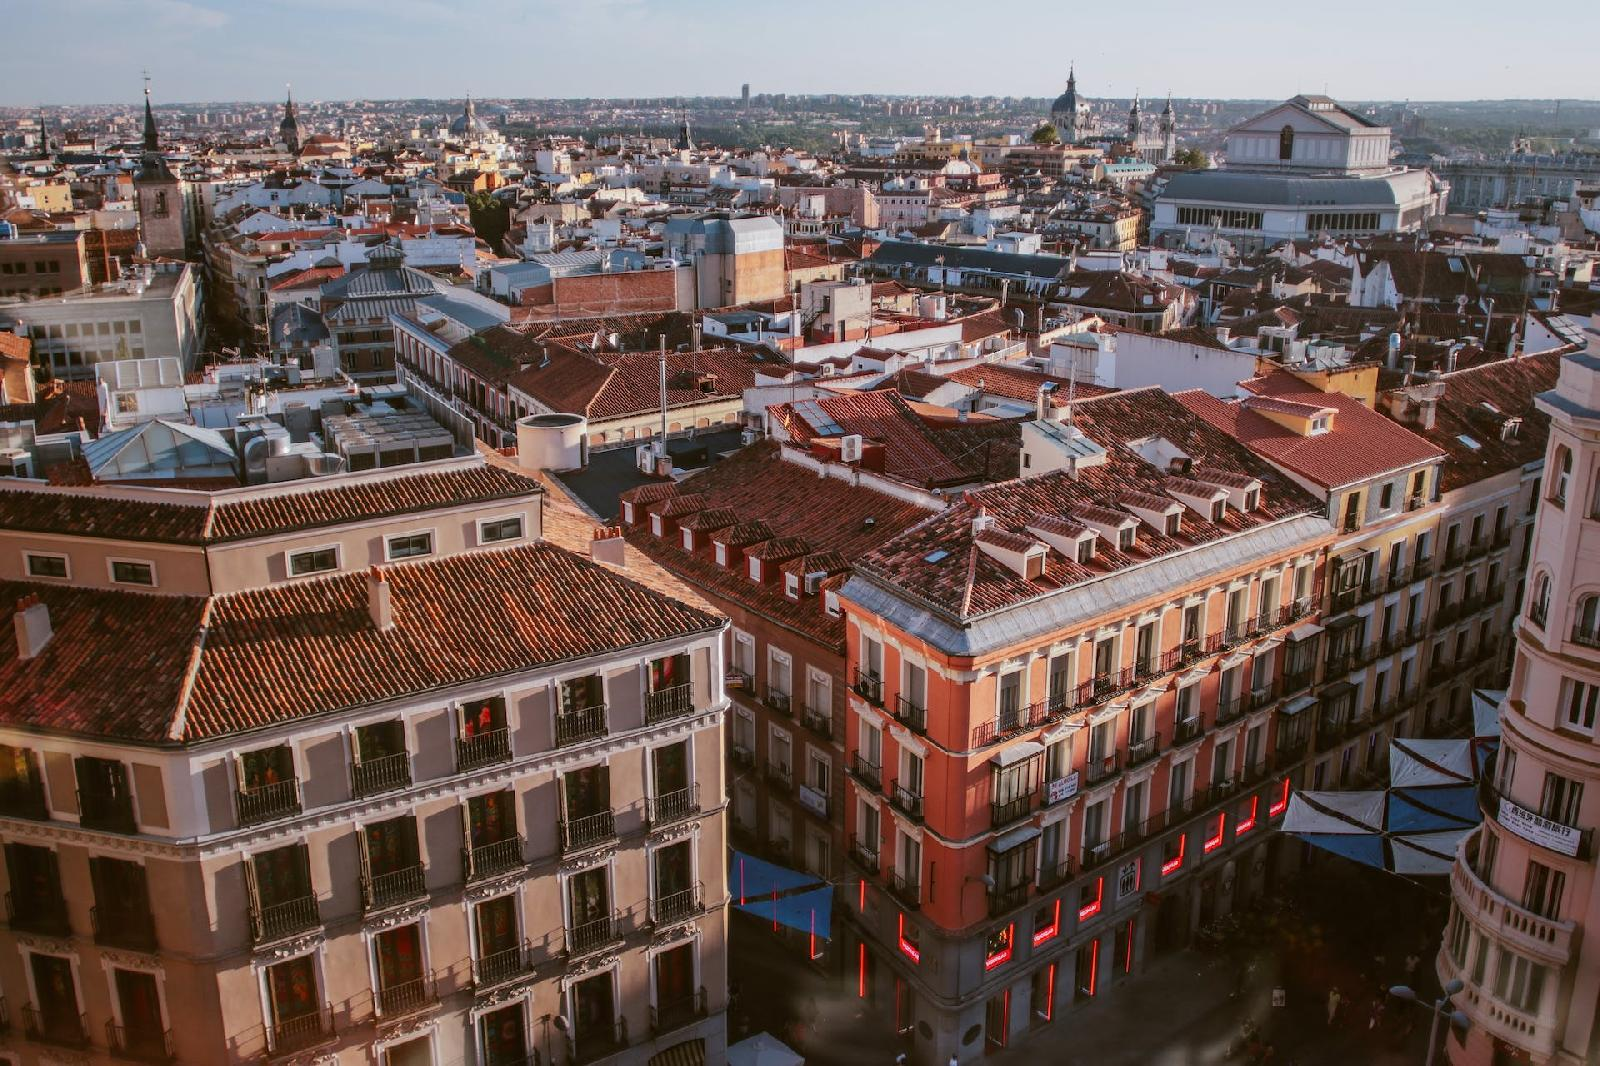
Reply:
x=674, y=806
x=383, y=774
x=104, y=809
x=501, y=967
x=577, y=726
x=1057, y=873
x=592, y=936
x=393, y=888
x=868, y=686
x=1102, y=769
x=1005, y=898
x=483, y=749
x=597, y=1040
x=1004, y=813
x=1142, y=751
x=905, y=801
x=1010, y=722
x=276, y=800
x=1289, y=752
x=676, y=1013
x=139, y=1045
x=1231, y=709
x=407, y=997
x=866, y=771
x=131, y=927
x=676, y=906
x=279, y=920
x=779, y=775
x=481, y=861
x=23, y=797
x=779, y=701
x=44, y=913
x=907, y=888
x=864, y=855
x=63, y=1028
x=819, y=722
x=303, y=1031
x=910, y=715
x=1185, y=730
x=667, y=703
x=587, y=830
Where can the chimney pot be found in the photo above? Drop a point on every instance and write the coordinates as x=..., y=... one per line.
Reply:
x=379, y=604
x=33, y=626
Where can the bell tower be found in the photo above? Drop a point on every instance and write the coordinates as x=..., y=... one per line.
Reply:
x=159, y=195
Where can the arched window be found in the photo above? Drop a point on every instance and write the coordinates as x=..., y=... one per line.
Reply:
x=1586, y=626
x=1539, y=609
x=1286, y=143
x=1562, y=478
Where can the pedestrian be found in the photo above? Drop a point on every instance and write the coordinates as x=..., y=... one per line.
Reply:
x=1412, y=962
x=1333, y=1005
x=1376, y=1018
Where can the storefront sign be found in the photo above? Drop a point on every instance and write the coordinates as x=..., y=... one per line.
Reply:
x=1537, y=830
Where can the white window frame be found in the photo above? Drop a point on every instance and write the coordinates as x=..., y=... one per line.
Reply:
x=111, y=572
x=388, y=545
x=369, y=939
x=27, y=565
x=289, y=557
x=522, y=528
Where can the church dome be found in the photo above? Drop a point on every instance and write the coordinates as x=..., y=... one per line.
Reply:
x=468, y=121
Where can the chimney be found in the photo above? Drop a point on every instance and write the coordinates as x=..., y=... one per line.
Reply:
x=607, y=546
x=33, y=626
x=1041, y=403
x=379, y=605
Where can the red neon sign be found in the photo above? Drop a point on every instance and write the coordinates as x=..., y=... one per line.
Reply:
x=1050, y=992
x=1280, y=804
x=1049, y=931
x=1092, y=908
x=861, y=976
x=910, y=950
x=863, y=894
x=1214, y=841
x=1003, y=953
x=1176, y=862
x=1127, y=959
x=1094, y=965
x=1248, y=823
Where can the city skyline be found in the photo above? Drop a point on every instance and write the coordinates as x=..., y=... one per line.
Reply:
x=219, y=51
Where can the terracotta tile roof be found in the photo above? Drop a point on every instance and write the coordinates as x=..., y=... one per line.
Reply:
x=779, y=502
x=203, y=518
x=937, y=561
x=14, y=347
x=1022, y=383
x=985, y=324
x=1360, y=444
x=1476, y=404
x=605, y=385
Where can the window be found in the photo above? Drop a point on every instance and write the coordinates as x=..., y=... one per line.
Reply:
x=500, y=530
x=128, y=572
x=47, y=566
x=1586, y=626
x=1579, y=700
x=1386, y=496
x=1539, y=606
x=1286, y=143
x=1518, y=982
x=315, y=561
x=408, y=546
x=295, y=1003
x=1542, y=888
x=1563, y=476
x=1561, y=800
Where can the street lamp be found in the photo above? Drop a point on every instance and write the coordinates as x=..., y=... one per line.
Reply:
x=1441, y=1008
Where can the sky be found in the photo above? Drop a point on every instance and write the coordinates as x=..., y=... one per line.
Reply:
x=93, y=51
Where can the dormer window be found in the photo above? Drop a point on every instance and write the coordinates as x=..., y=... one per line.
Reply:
x=688, y=539
x=1219, y=511
x=656, y=525
x=1252, y=500
x=721, y=551
x=1125, y=538
x=1319, y=424
x=1086, y=550
x=755, y=569
x=1174, y=524
x=791, y=585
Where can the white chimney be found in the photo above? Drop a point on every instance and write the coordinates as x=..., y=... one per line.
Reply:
x=33, y=626
x=379, y=605
x=607, y=546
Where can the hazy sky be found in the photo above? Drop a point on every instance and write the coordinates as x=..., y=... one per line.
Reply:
x=91, y=51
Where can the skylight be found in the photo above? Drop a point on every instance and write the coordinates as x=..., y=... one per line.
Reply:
x=1468, y=441
x=938, y=555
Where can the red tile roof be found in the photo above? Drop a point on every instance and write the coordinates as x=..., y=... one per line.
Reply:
x=938, y=563
x=272, y=655
x=1022, y=383
x=13, y=346
x=1359, y=445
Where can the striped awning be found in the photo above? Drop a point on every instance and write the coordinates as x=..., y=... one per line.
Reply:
x=688, y=1053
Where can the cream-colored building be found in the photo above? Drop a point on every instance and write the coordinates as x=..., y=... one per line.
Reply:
x=357, y=769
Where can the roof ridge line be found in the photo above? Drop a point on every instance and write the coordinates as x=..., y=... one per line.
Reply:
x=191, y=674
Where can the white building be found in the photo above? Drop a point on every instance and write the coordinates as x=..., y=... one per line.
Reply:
x=1301, y=169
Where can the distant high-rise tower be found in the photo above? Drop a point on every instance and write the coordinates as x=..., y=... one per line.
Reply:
x=1169, y=132
x=158, y=194
x=289, y=128
x=744, y=96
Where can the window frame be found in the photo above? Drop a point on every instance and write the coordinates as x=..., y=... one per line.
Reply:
x=290, y=555
x=389, y=555
x=112, y=562
x=64, y=558
x=518, y=517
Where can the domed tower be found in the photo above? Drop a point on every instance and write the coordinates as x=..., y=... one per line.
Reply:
x=1523, y=936
x=1066, y=114
x=289, y=128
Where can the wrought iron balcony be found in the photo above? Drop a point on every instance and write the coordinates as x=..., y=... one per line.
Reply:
x=1186, y=730
x=867, y=772
x=868, y=686
x=482, y=861
x=588, y=937
x=1012, y=810
x=278, y=920
x=864, y=855
x=818, y=721
x=265, y=802
x=132, y=927
x=907, y=888
x=379, y=891
x=501, y=967
x=577, y=726
x=676, y=906
x=382, y=774
x=676, y=1013
x=44, y=913
x=906, y=802
x=139, y=1045
x=407, y=997
x=301, y=1032
x=668, y=703
x=675, y=806
x=1142, y=751
x=483, y=749
x=779, y=701
x=63, y=1028
x=1102, y=769
x=587, y=830
x=910, y=715
x=1005, y=898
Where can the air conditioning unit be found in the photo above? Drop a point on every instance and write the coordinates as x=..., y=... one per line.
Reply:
x=644, y=457
x=850, y=448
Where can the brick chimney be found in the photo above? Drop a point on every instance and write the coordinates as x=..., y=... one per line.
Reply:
x=33, y=626
x=379, y=605
x=607, y=546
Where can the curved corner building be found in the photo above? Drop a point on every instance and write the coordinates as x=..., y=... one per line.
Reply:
x=1524, y=928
